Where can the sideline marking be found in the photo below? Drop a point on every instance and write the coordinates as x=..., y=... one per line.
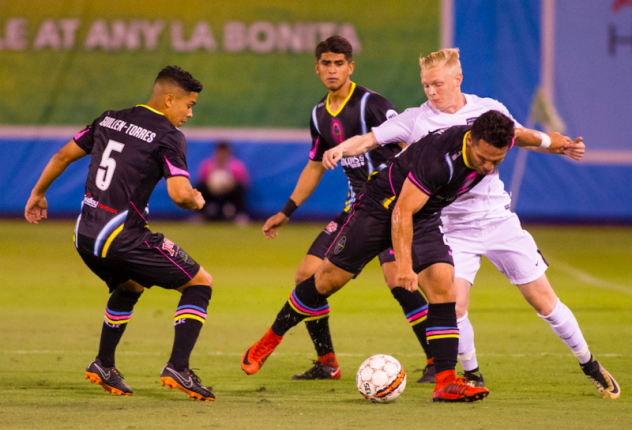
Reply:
x=588, y=279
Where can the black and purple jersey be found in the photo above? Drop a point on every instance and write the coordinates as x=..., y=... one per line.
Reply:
x=361, y=110
x=436, y=164
x=131, y=150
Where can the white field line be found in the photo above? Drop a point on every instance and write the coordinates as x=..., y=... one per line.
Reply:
x=588, y=279
x=287, y=354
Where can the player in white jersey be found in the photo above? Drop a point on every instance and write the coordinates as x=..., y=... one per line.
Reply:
x=480, y=222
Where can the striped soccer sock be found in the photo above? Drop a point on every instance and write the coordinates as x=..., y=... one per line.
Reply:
x=117, y=314
x=305, y=303
x=443, y=335
x=188, y=321
x=415, y=308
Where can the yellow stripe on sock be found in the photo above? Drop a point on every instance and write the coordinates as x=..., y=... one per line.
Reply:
x=117, y=322
x=190, y=316
x=317, y=317
x=294, y=307
x=422, y=319
x=443, y=336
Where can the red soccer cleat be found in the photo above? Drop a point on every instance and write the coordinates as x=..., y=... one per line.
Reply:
x=257, y=354
x=449, y=388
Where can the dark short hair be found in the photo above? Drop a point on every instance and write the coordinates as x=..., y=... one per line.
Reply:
x=222, y=146
x=181, y=78
x=337, y=45
x=494, y=128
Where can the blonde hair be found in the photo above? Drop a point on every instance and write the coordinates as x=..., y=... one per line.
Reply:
x=448, y=58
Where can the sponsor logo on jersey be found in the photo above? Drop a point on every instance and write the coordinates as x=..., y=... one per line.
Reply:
x=185, y=257
x=352, y=162
x=470, y=121
x=169, y=246
x=88, y=200
x=391, y=114
x=331, y=227
x=336, y=130
x=340, y=245
x=104, y=207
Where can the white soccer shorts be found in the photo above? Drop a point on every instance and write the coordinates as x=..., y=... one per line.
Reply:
x=503, y=241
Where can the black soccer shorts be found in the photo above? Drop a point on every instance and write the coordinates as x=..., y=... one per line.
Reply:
x=367, y=233
x=157, y=261
x=326, y=238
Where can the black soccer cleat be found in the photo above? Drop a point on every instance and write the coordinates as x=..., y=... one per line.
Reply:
x=108, y=377
x=429, y=375
x=474, y=378
x=185, y=381
x=601, y=379
x=319, y=371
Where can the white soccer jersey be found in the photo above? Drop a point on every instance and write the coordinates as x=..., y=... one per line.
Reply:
x=486, y=200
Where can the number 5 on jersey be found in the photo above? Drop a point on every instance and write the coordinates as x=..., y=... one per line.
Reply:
x=108, y=165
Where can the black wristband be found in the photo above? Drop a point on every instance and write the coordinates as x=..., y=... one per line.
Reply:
x=289, y=208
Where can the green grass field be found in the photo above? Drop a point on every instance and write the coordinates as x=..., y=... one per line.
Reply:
x=51, y=309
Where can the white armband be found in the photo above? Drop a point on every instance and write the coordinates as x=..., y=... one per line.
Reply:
x=546, y=140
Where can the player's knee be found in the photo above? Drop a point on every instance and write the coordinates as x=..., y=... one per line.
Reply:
x=301, y=275
x=204, y=278
x=461, y=309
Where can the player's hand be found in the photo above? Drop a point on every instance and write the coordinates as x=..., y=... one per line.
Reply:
x=406, y=277
x=199, y=200
x=36, y=209
x=575, y=149
x=558, y=143
x=331, y=158
x=273, y=224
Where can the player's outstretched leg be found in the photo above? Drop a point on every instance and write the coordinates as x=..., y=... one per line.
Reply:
x=467, y=352
x=415, y=309
x=189, y=319
x=117, y=314
x=305, y=302
x=443, y=337
x=326, y=366
x=564, y=324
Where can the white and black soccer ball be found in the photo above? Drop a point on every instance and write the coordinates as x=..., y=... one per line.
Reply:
x=381, y=378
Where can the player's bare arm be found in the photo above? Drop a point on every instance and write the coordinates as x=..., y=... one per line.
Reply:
x=410, y=201
x=355, y=145
x=307, y=183
x=552, y=143
x=36, y=207
x=183, y=194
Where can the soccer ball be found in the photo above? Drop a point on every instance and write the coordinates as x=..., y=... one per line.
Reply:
x=381, y=378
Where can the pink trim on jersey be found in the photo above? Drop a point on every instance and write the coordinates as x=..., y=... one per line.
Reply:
x=81, y=133
x=410, y=176
x=513, y=141
x=390, y=181
x=190, y=311
x=175, y=171
x=187, y=273
x=345, y=224
x=139, y=213
x=312, y=153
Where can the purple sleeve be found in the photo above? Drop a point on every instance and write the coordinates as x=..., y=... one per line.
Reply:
x=378, y=110
x=173, y=155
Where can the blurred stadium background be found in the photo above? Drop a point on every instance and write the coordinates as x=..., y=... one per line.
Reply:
x=556, y=64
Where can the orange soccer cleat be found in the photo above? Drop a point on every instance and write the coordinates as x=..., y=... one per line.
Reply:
x=257, y=354
x=449, y=388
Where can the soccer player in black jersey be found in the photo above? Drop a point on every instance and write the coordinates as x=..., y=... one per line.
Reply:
x=130, y=151
x=401, y=207
x=347, y=110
